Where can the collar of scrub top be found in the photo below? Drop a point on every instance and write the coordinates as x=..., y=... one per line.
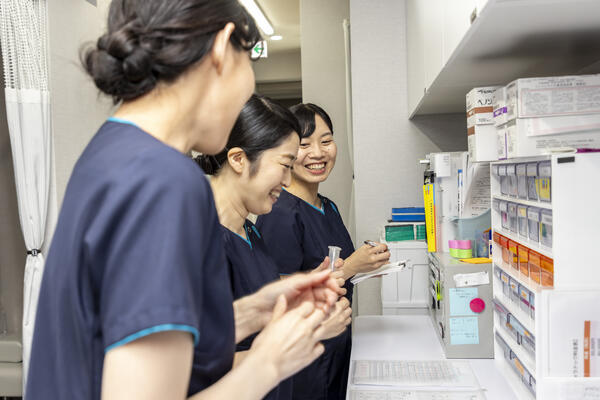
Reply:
x=321, y=210
x=123, y=121
x=247, y=231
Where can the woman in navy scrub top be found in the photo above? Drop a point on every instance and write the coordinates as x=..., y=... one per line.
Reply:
x=299, y=230
x=247, y=177
x=135, y=300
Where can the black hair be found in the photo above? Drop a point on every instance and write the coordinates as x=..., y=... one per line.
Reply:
x=305, y=113
x=148, y=41
x=262, y=124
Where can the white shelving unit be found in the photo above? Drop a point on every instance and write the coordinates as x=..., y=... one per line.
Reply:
x=576, y=218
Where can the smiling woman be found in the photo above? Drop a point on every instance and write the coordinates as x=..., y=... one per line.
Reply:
x=247, y=178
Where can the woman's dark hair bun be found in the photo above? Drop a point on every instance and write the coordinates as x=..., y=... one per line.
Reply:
x=209, y=164
x=148, y=41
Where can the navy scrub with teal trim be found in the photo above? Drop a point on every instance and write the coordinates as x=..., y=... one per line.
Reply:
x=298, y=235
x=134, y=252
x=250, y=268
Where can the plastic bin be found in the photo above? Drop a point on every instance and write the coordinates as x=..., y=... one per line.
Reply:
x=513, y=224
x=503, y=179
x=514, y=291
x=547, y=271
x=533, y=220
x=522, y=220
x=532, y=305
x=535, y=266
x=511, y=172
x=546, y=228
x=532, y=173
x=505, y=250
x=498, y=273
x=505, y=284
x=524, y=294
x=503, y=345
x=517, y=365
x=522, y=181
x=514, y=254
x=544, y=188
x=494, y=169
x=475, y=229
x=523, y=253
x=528, y=343
x=501, y=313
x=504, y=214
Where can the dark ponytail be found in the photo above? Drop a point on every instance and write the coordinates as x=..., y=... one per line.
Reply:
x=262, y=125
x=148, y=41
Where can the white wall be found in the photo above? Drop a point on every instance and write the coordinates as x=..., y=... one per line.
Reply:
x=77, y=108
x=323, y=83
x=387, y=146
x=279, y=67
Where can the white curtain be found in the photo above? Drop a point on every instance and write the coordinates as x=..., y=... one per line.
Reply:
x=25, y=56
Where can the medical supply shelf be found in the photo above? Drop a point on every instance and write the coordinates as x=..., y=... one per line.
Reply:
x=545, y=251
x=526, y=358
x=539, y=204
x=574, y=231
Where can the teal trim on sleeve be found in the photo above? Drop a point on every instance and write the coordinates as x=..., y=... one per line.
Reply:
x=156, y=329
x=122, y=121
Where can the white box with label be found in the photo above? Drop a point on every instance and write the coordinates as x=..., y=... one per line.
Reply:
x=553, y=96
x=480, y=110
x=482, y=141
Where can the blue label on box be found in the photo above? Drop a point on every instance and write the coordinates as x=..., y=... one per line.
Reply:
x=464, y=330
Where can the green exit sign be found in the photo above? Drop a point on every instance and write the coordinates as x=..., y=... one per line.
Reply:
x=260, y=50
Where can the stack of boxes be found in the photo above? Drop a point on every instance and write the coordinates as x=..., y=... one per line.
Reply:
x=481, y=132
x=407, y=223
x=536, y=116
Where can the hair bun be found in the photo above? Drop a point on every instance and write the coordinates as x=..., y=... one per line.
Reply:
x=209, y=164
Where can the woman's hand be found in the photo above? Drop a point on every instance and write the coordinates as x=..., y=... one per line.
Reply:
x=366, y=259
x=337, y=274
x=337, y=321
x=253, y=312
x=289, y=341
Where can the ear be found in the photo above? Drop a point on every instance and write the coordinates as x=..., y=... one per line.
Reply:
x=237, y=159
x=220, y=46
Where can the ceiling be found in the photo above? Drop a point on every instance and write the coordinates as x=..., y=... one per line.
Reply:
x=284, y=15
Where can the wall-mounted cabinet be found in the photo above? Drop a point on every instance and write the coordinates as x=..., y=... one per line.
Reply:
x=454, y=46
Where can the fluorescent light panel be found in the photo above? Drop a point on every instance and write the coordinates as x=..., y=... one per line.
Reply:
x=259, y=17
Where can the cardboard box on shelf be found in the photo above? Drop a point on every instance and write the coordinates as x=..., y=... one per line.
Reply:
x=482, y=142
x=552, y=96
x=480, y=110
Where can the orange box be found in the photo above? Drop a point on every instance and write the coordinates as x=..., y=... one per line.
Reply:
x=496, y=237
x=523, y=260
x=514, y=254
x=505, y=252
x=535, y=266
x=547, y=272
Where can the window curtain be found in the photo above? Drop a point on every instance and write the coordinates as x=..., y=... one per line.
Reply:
x=24, y=42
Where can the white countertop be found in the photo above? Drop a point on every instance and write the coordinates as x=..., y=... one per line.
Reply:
x=411, y=337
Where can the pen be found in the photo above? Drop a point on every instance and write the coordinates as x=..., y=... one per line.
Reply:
x=370, y=243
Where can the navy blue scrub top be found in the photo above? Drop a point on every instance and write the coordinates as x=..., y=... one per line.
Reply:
x=298, y=235
x=134, y=252
x=250, y=268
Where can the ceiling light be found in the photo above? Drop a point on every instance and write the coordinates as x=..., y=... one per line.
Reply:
x=260, y=18
x=276, y=37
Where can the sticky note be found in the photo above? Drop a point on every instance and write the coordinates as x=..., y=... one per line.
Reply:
x=464, y=330
x=460, y=299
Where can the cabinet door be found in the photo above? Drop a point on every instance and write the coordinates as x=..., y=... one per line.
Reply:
x=457, y=20
x=433, y=34
x=415, y=41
